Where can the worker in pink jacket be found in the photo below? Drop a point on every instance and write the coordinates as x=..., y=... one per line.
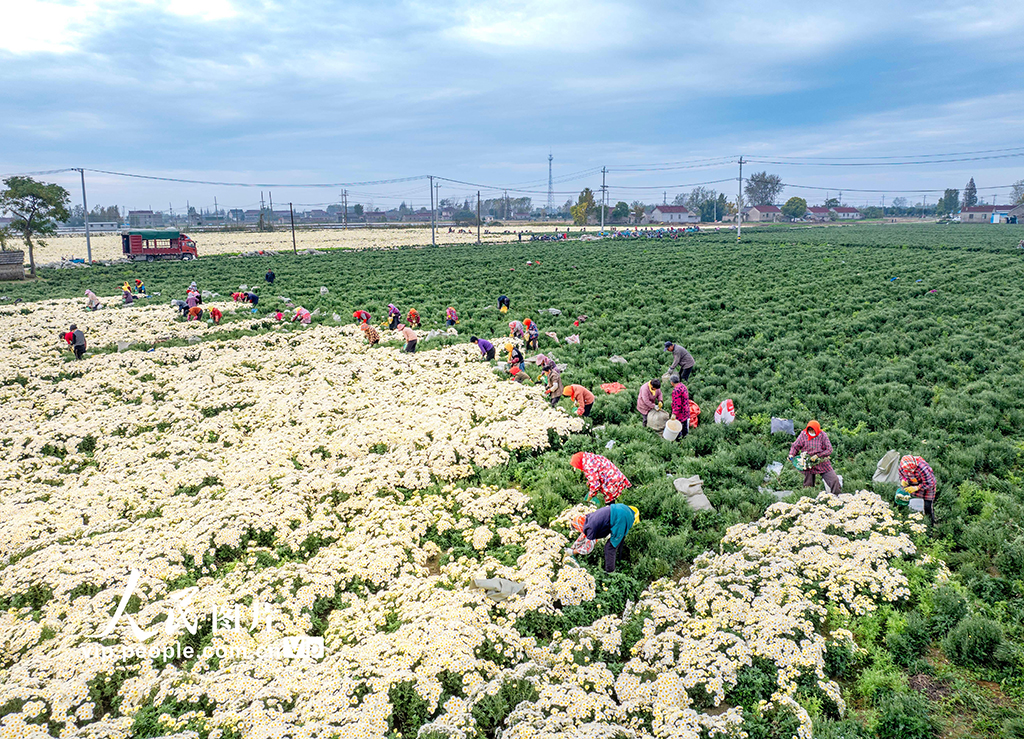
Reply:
x=648, y=398
x=410, y=337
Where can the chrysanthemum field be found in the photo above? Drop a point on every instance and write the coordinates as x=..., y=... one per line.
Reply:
x=260, y=529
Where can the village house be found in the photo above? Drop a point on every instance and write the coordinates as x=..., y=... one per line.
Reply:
x=818, y=213
x=843, y=213
x=762, y=213
x=673, y=214
x=986, y=214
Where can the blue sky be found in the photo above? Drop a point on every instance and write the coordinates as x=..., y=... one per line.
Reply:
x=293, y=92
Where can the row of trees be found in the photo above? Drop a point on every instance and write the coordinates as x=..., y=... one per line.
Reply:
x=99, y=214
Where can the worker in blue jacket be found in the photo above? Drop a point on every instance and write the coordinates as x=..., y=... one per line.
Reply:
x=613, y=521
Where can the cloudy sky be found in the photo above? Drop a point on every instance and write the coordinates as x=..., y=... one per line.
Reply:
x=664, y=94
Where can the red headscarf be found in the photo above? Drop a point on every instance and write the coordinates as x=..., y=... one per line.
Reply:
x=813, y=429
x=577, y=460
x=910, y=466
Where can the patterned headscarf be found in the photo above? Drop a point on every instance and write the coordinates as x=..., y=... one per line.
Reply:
x=910, y=466
x=582, y=545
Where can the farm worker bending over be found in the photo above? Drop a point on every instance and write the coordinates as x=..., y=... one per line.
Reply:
x=412, y=318
x=451, y=317
x=603, y=477
x=77, y=341
x=519, y=375
x=252, y=298
x=195, y=313
x=681, y=359
x=613, y=521
x=128, y=297
x=681, y=405
x=517, y=329
x=554, y=378
x=372, y=334
x=533, y=334
x=216, y=315
x=814, y=442
x=181, y=306
x=139, y=287
x=648, y=398
x=269, y=277
x=515, y=357
x=394, y=316
x=486, y=347
x=191, y=299
x=410, y=338
x=918, y=479
x=504, y=303
x=92, y=302
x=302, y=315
x=361, y=316
x=583, y=398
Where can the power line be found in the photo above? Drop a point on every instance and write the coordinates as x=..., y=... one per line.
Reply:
x=912, y=156
x=259, y=184
x=883, y=164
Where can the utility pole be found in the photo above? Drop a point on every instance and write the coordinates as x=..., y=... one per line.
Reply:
x=188, y=215
x=433, y=240
x=477, y=216
x=85, y=209
x=604, y=195
x=216, y=212
x=664, y=197
x=344, y=207
x=739, y=204
x=437, y=200
x=291, y=213
x=551, y=189
x=263, y=211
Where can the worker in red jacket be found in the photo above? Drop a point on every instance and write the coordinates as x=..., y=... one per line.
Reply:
x=361, y=316
x=603, y=477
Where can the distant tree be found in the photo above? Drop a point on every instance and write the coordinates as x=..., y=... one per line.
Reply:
x=680, y=199
x=970, y=195
x=36, y=209
x=763, y=188
x=1017, y=193
x=722, y=207
x=465, y=217
x=403, y=208
x=794, y=208
x=832, y=203
x=621, y=211
x=358, y=210
x=637, y=209
x=949, y=203
x=899, y=205
x=581, y=211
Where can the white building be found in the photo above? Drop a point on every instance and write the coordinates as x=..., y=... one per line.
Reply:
x=847, y=214
x=672, y=214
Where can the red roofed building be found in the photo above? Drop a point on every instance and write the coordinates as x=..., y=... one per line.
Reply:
x=672, y=214
x=986, y=214
x=818, y=213
x=847, y=214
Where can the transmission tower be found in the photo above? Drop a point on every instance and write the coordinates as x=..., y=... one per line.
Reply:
x=551, y=189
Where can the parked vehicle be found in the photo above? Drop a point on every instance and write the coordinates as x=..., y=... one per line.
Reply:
x=153, y=244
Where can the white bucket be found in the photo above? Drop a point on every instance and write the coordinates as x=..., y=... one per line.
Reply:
x=672, y=429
